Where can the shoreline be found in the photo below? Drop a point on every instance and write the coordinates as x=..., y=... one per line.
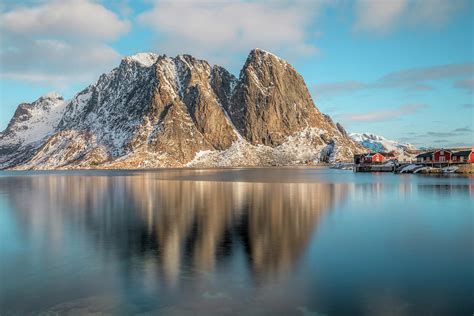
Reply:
x=316, y=166
x=416, y=169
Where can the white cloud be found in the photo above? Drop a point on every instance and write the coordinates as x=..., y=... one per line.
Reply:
x=411, y=79
x=465, y=84
x=220, y=28
x=58, y=42
x=57, y=19
x=423, y=74
x=378, y=15
x=338, y=88
x=435, y=12
x=383, y=115
x=383, y=16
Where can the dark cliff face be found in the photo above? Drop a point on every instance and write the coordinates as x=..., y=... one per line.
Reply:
x=156, y=111
x=223, y=83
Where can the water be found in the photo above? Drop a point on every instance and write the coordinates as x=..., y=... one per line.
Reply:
x=295, y=241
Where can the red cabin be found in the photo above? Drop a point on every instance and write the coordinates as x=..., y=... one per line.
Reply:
x=374, y=158
x=465, y=156
x=442, y=155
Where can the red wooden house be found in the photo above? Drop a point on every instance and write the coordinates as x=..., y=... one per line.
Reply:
x=442, y=155
x=446, y=156
x=437, y=156
x=374, y=158
x=464, y=156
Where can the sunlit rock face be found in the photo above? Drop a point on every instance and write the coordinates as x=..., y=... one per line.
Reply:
x=158, y=111
x=271, y=101
x=184, y=225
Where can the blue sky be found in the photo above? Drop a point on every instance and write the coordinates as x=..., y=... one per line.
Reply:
x=403, y=69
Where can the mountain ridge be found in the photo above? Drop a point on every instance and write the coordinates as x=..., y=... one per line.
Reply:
x=158, y=111
x=379, y=143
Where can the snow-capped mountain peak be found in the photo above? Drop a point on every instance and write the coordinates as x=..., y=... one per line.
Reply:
x=158, y=111
x=53, y=95
x=30, y=125
x=377, y=143
x=33, y=121
x=144, y=59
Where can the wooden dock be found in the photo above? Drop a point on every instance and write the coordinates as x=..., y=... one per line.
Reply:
x=373, y=168
x=425, y=168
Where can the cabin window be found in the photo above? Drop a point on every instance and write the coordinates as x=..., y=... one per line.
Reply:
x=461, y=158
x=442, y=159
x=441, y=152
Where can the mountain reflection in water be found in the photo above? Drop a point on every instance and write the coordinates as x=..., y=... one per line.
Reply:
x=175, y=241
x=192, y=221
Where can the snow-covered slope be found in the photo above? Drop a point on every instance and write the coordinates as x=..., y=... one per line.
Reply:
x=30, y=125
x=378, y=143
x=307, y=146
x=32, y=122
x=156, y=111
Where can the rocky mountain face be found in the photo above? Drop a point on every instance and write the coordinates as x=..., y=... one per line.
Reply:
x=30, y=125
x=157, y=111
x=271, y=101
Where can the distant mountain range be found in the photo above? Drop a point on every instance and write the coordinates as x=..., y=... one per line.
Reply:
x=156, y=111
x=376, y=143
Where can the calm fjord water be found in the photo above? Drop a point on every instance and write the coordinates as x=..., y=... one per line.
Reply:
x=291, y=241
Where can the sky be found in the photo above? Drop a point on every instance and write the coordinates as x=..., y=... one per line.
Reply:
x=403, y=69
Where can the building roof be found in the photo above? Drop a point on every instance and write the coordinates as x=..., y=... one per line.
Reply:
x=446, y=150
x=425, y=155
x=389, y=154
x=370, y=155
x=463, y=153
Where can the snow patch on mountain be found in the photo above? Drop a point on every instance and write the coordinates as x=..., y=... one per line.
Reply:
x=51, y=96
x=144, y=59
x=310, y=145
x=35, y=121
x=264, y=52
x=378, y=143
x=31, y=124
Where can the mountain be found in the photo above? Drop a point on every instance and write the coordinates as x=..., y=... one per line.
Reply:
x=31, y=124
x=157, y=111
x=376, y=143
